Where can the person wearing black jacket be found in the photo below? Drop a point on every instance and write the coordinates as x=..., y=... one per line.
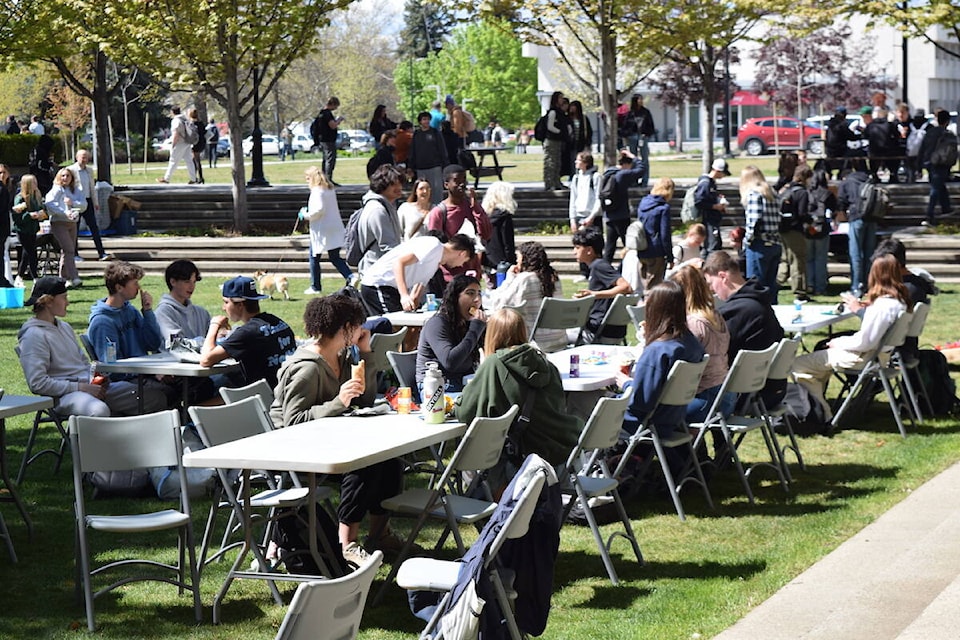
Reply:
x=938, y=172
x=380, y=124
x=862, y=233
x=428, y=156
x=42, y=165
x=617, y=214
x=794, y=218
x=838, y=135
x=884, y=146
x=638, y=129
x=557, y=135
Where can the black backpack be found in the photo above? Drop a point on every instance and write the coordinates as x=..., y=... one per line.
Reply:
x=608, y=190
x=789, y=218
x=352, y=250
x=292, y=536
x=945, y=153
x=934, y=371
x=540, y=129
x=466, y=159
x=874, y=201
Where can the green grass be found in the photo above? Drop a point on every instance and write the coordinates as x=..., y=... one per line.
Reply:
x=700, y=577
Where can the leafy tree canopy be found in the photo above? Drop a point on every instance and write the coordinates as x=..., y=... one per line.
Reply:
x=426, y=27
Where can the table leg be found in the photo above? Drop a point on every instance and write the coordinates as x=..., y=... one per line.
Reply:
x=476, y=178
x=496, y=165
x=14, y=495
x=184, y=418
x=326, y=569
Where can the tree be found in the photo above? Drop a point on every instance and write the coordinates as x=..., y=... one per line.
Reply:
x=483, y=67
x=25, y=89
x=426, y=27
x=915, y=19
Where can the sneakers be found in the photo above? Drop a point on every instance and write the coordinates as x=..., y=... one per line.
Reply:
x=354, y=281
x=355, y=555
x=163, y=181
x=73, y=284
x=928, y=223
x=78, y=258
x=390, y=543
x=310, y=291
x=107, y=257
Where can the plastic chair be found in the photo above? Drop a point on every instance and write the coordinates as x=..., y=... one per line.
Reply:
x=617, y=316
x=510, y=521
x=117, y=444
x=679, y=390
x=42, y=417
x=780, y=369
x=88, y=347
x=747, y=375
x=637, y=314
x=330, y=609
x=259, y=388
x=560, y=313
x=909, y=362
x=404, y=365
x=380, y=344
x=592, y=479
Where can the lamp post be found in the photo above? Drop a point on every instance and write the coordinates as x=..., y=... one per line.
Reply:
x=257, y=178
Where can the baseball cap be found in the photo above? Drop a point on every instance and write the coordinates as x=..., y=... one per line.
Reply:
x=865, y=111
x=449, y=99
x=721, y=165
x=842, y=109
x=46, y=286
x=241, y=287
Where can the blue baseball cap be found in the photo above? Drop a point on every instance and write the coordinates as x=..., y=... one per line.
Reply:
x=241, y=287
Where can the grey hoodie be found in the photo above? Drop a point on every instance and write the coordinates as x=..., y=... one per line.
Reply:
x=189, y=320
x=52, y=360
x=378, y=229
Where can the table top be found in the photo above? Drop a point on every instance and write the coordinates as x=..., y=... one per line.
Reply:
x=482, y=150
x=18, y=405
x=599, y=365
x=409, y=318
x=812, y=317
x=165, y=364
x=328, y=445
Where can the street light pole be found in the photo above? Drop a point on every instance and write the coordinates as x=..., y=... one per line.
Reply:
x=257, y=178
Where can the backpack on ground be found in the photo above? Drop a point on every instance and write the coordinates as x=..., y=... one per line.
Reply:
x=807, y=412
x=915, y=139
x=608, y=190
x=292, y=536
x=945, y=153
x=934, y=372
x=689, y=212
x=636, y=237
x=540, y=129
x=200, y=481
x=352, y=250
x=875, y=201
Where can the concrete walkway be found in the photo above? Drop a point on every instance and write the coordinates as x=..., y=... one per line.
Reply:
x=897, y=578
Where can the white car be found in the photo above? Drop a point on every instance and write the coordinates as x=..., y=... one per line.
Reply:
x=360, y=140
x=271, y=145
x=165, y=145
x=302, y=143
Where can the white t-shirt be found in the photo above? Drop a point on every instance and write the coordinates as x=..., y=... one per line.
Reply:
x=427, y=249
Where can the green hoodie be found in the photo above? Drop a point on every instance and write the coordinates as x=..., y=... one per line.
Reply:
x=504, y=379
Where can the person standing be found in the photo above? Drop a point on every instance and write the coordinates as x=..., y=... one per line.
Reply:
x=823, y=203
x=460, y=207
x=180, y=148
x=6, y=221
x=379, y=230
x=83, y=179
x=198, y=143
x=286, y=145
x=884, y=146
x=862, y=233
x=36, y=127
x=380, y=124
x=838, y=135
x=584, y=208
x=12, y=127
x=324, y=132
x=553, y=143
x=28, y=213
x=428, y=156
x=40, y=163
x=581, y=133
x=936, y=167
x=654, y=212
x=712, y=205
x=212, y=134
x=413, y=212
x=63, y=205
x=326, y=229
x=616, y=213
x=638, y=130
x=794, y=219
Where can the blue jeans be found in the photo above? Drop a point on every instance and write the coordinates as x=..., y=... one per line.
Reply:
x=335, y=259
x=817, y=254
x=862, y=239
x=938, y=191
x=762, y=263
x=701, y=404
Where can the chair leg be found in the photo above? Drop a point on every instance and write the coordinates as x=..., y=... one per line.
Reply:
x=700, y=478
x=892, y=401
x=912, y=395
x=668, y=477
x=628, y=528
x=29, y=457
x=776, y=455
x=794, y=445
x=5, y=534
x=731, y=448
x=595, y=530
x=84, y=562
x=923, y=392
x=504, y=601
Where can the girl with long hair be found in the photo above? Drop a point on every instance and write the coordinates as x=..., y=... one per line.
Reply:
x=452, y=337
x=28, y=213
x=500, y=205
x=823, y=204
x=326, y=228
x=762, y=240
x=63, y=205
x=380, y=124
x=413, y=212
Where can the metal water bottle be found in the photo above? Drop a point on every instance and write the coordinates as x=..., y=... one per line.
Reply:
x=433, y=408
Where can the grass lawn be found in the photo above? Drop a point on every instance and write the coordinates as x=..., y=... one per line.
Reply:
x=700, y=577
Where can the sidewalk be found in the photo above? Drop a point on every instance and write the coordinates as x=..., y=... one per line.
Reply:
x=897, y=578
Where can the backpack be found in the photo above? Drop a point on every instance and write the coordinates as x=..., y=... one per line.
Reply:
x=915, y=139
x=190, y=134
x=316, y=128
x=945, y=153
x=636, y=237
x=540, y=129
x=200, y=481
x=688, y=210
x=789, y=220
x=805, y=409
x=352, y=250
x=292, y=534
x=934, y=372
x=213, y=134
x=874, y=201
x=608, y=190
x=466, y=160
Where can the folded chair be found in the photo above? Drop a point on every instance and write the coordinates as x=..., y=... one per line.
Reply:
x=330, y=609
x=679, y=390
x=746, y=376
x=617, y=316
x=560, y=313
x=118, y=444
x=637, y=314
x=592, y=479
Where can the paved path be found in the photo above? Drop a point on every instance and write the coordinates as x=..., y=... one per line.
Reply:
x=898, y=578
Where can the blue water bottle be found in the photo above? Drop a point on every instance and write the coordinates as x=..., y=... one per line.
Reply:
x=502, y=269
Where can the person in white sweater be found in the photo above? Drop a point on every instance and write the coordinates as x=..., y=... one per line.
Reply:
x=54, y=364
x=886, y=299
x=584, y=198
x=326, y=228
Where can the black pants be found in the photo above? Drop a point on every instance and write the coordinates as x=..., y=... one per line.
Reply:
x=27, y=267
x=363, y=490
x=380, y=300
x=329, y=158
x=615, y=229
x=89, y=216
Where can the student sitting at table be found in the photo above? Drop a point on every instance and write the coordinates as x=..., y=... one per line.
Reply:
x=513, y=371
x=54, y=364
x=452, y=337
x=528, y=282
x=603, y=283
x=316, y=382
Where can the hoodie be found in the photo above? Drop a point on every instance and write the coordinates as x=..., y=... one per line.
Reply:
x=189, y=320
x=506, y=378
x=750, y=319
x=654, y=212
x=52, y=361
x=133, y=333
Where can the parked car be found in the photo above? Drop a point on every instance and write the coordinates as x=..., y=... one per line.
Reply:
x=223, y=147
x=360, y=140
x=164, y=145
x=271, y=145
x=343, y=141
x=759, y=135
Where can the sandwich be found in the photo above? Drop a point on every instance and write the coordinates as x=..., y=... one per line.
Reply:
x=358, y=372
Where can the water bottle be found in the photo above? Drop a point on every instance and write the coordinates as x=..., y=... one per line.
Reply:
x=502, y=269
x=797, y=310
x=110, y=352
x=433, y=408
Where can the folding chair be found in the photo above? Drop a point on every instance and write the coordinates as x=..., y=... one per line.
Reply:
x=259, y=388
x=875, y=368
x=591, y=478
x=909, y=362
x=42, y=417
x=330, y=608
x=380, y=344
x=678, y=391
x=478, y=451
x=404, y=365
x=637, y=314
x=780, y=369
x=747, y=375
x=560, y=313
x=118, y=444
x=510, y=521
x=617, y=316
x=88, y=347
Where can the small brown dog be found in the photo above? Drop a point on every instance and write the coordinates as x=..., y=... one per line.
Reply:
x=270, y=284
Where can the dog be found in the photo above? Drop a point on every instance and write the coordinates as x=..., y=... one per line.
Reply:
x=270, y=284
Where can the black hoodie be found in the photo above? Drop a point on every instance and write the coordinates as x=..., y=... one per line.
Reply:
x=750, y=319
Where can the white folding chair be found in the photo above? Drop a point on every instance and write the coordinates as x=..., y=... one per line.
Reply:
x=591, y=478
x=679, y=390
x=330, y=609
x=510, y=521
x=259, y=388
x=478, y=451
x=747, y=375
x=780, y=370
x=909, y=362
x=118, y=444
x=637, y=314
x=560, y=313
x=380, y=344
x=617, y=316
x=876, y=368
x=42, y=417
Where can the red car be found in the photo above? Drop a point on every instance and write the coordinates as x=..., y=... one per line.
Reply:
x=756, y=135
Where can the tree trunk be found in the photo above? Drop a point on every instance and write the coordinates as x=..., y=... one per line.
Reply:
x=708, y=63
x=239, y=188
x=608, y=84
x=101, y=112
